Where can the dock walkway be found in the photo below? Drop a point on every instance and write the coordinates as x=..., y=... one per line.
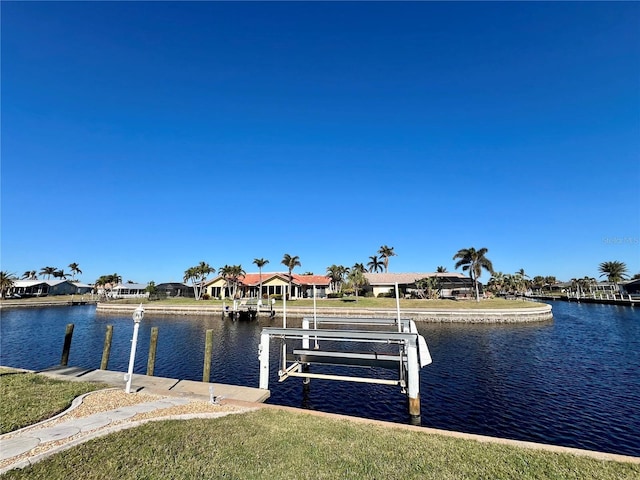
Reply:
x=159, y=385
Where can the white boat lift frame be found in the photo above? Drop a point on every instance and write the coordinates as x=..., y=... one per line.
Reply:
x=412, y=355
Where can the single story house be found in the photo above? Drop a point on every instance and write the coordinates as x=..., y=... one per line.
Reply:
x=452, y=285
x=272, y=284
x=83, y=288
x=175, y=289
x=129, y=290
x=42, y=288
x=632, y=287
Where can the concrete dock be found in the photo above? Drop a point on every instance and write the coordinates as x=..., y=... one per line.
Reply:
x=160, y=385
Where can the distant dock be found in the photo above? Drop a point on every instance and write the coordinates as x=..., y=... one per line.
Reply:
x=629, y=301
x=45, y=303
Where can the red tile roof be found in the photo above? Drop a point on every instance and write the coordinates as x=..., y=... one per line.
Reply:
x=253, y=279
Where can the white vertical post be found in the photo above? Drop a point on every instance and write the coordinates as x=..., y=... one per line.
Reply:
x=284, y=307
x=138, y=315
x=398, y=307
x=315, y=322
x=263, y=355
x=413, y=368
x=132, y=357
x=284, y=325
x=305, y=338
x=315, y=318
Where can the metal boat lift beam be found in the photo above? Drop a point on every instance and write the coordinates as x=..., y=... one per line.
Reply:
x=348, y=335
x=358, y=321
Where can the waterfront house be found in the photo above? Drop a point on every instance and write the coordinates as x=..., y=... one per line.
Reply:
x=129, y=290
x=175, y=289
x=451, y=285
x=272, y=284
x=631, y=287
x=82, y=288
x=43, y=288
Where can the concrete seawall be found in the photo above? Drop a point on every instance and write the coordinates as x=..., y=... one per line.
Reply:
x=539, y=313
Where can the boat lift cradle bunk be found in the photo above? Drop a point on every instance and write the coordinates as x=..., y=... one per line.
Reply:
x=411, y=355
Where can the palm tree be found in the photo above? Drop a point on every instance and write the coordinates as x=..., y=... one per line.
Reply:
x=107, y=282
x=614, y=271
x=224, y=273
x=374, y=264
x=198, y=275
x=291, y=263
x=260, y=262
x=441, y=269
x=6, y=282
x=386, y=252
x=334, y=275
x=538, y=282
x=522, y=281
x=231, y=275
x=474, y=261
x=60, y=274
x=359, y=266
x=549, y=281
x=48, y=271
x=496, y=283
x=357, y=279
x=429, y=287
x=337, y=273
x=75, y=269
x=29, y=275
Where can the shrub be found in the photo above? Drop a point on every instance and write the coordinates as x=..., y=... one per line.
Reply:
x=334, y=295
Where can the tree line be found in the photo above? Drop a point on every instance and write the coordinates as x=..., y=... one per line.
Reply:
x=352, y=279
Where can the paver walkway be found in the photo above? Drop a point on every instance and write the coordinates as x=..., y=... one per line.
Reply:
x=49, y=439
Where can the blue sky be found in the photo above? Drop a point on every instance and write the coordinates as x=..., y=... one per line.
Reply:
x=142, y=138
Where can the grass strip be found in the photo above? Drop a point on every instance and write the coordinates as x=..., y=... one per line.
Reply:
x=361, y=302
x=28, y=398
x=283, y=445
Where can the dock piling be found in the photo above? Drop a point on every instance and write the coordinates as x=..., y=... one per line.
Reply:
x=208, y=351
x=68, y=335
x=153, y=346
x=106, y=350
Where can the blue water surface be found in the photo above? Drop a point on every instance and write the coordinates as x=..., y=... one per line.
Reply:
x=573, y=381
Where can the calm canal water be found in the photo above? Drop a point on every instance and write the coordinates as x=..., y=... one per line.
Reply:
x=574, y=381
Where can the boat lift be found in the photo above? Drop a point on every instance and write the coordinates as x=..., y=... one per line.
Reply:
x=409, y=355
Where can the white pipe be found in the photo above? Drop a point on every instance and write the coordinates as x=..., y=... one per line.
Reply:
x=398, y=307
x=305, y=338
x=315, y=318
x=284, y=308
x=379, y=381
x=132, y=357
x=263, y=355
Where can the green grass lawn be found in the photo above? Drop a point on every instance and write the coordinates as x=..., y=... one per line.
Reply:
x=350, y=302
x=271, y=444
x=28, y=398
x=362, y=302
